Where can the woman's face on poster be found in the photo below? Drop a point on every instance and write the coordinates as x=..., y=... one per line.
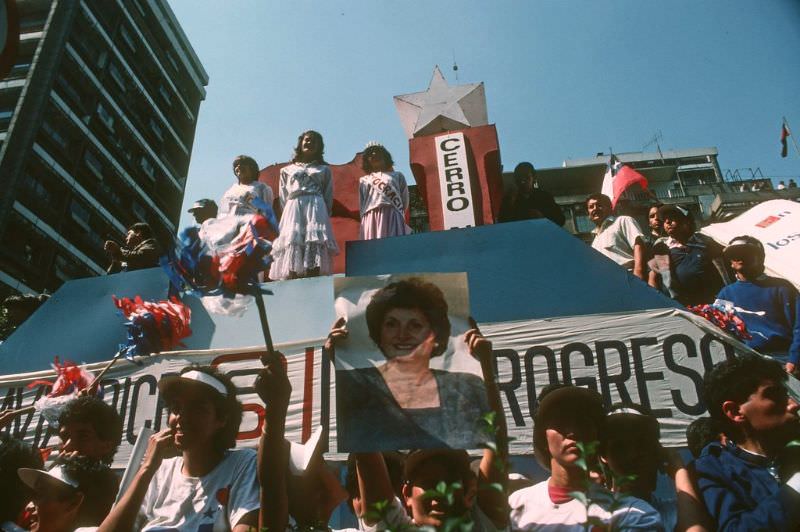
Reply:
x=402, y=330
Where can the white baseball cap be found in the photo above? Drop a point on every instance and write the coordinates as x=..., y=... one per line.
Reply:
x=56, y=476
x=192, y=378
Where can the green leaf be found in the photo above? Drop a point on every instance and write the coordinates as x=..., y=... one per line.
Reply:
x=580, y=497
x=493, y=486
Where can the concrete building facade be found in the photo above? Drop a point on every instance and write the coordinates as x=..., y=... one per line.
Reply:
x=97, y=122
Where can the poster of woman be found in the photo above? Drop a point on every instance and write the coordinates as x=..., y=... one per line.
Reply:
x=405, y=376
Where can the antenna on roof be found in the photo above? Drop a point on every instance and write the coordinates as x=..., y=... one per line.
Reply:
x=656, y=139
x=455, y=66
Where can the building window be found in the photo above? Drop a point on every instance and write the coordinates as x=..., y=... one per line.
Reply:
x=139, y=5
x=102, y=59
x=582, y=222
x=69, y=89
x=147, y=166
x=164, y=94
x=155, y=128
x=93, y=163
x=107, y=119
x=139, y=212
x=117, y=75
x=111, y=193
x=36, y=188
x=53, y=133
x=172, y=61
x=67, y=268
x=126, y=36
x=80, y=214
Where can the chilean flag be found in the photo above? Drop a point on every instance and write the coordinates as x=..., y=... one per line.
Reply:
x=619, y=177
x=784, y=134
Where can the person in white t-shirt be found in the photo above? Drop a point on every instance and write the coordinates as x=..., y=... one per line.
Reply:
x=566, y=416
x=617, y=237
x=248, y=193
x=208, y=486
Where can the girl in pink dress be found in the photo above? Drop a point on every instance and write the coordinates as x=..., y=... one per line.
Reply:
x=383, y=196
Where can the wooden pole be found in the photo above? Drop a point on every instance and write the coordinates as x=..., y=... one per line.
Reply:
x=791, y=135
x=262, y=315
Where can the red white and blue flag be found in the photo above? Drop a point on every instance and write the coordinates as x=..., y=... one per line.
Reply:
x=619, y=177
x=784, y=135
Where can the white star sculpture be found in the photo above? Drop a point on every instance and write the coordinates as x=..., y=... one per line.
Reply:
x=442, y=107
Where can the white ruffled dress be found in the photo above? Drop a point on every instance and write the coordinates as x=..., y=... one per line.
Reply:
x=306, y=238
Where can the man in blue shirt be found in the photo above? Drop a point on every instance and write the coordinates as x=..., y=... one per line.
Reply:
x=769, y=306
x=739, y=481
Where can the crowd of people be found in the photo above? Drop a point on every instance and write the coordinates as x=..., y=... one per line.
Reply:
x=603, y=464
x=603, y=461
x=693, y=269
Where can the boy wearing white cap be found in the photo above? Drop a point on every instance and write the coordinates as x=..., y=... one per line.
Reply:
x=78, y=492
x=209, y=485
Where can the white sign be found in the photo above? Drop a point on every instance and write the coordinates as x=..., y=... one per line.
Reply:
x=776, y=224
x=655, y=358
x=132, y=390
x=454, y=181
x=405, y=375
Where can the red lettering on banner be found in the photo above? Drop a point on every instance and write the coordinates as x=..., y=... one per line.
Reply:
x=234, y=357
x=256, y=432
x=766, y=222
x=308, y=395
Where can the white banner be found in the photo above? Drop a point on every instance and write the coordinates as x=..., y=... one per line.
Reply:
x=454, y=181
x=776, y=223
x=132, y=390
x=655, y=358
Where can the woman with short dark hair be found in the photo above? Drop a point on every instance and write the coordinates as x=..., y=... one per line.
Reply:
x=404, y=399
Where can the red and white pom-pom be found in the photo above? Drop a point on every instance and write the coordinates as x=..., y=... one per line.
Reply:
x=171, y=316
x=70, y=379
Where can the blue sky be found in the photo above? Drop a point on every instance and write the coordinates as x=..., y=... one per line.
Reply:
x=564, y=79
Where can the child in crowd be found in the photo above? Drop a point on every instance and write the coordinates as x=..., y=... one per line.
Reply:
x=208, y=485
x=306, y=245
x=740, y=482
x=77, y=492
x=15, y=454
x=701, y=432
x=631, y=450
x=239, y=199
x=90, y=427
x=383, y=196
x=566, y=416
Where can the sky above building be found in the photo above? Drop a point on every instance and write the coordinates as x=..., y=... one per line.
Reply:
x=563, y=79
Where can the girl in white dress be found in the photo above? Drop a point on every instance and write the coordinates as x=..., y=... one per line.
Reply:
x=383, y=196
x=306, y=245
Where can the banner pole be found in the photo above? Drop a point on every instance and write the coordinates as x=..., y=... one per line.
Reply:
x=794, y=141
x=262, y=315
